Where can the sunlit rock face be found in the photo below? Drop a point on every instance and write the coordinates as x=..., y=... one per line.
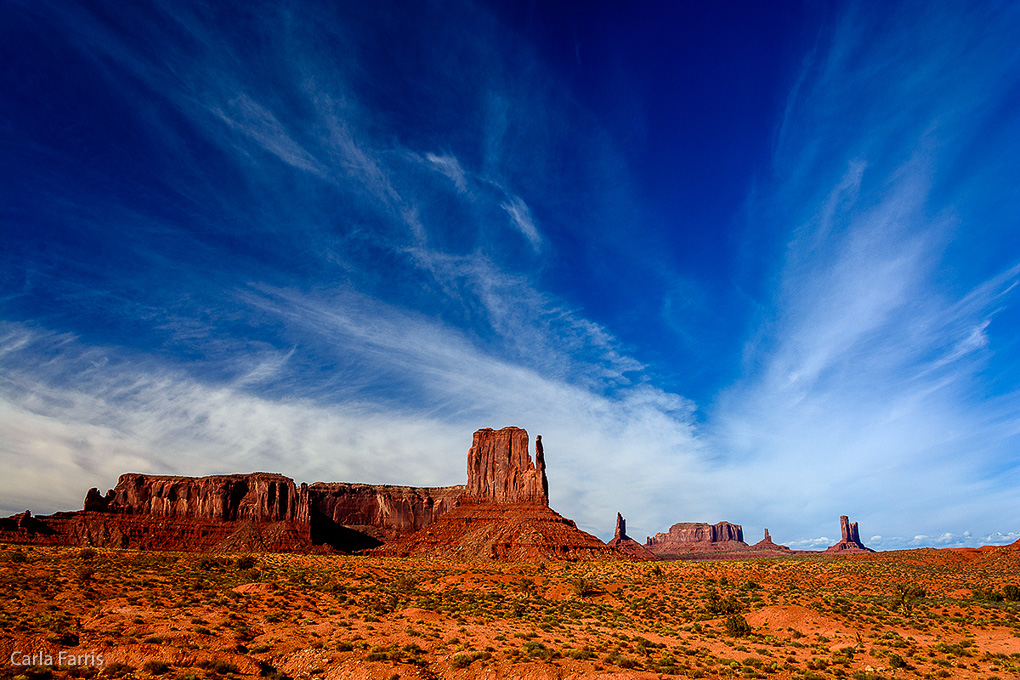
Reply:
x=505, y=513
x=697, y=537
x=851, y=538
x=500, y=468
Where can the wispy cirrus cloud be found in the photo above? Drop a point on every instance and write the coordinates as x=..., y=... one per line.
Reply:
x=867, y=376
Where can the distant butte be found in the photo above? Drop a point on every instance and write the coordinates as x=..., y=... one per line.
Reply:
x=621, y=541
x=851, y=539
x=685, y=538
x=766, y=545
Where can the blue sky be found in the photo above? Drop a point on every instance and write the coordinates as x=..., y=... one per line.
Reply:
x=751, y=262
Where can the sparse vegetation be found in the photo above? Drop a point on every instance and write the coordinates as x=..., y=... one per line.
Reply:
x=781, y=618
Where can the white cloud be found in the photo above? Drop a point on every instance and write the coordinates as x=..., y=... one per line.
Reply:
x=521, y=217
x=449, y=166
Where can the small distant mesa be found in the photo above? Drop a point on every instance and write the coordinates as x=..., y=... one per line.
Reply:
x=502, y=513
x=723, y=540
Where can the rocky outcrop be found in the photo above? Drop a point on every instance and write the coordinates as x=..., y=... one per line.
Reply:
x=258, y=497
x=767, y=545
x=697, y=537
x=624, y=543
x=258, y=511
x=515, y=532
x=500, y=469
x=851, y=539
x=505, y=513
x=381, y=513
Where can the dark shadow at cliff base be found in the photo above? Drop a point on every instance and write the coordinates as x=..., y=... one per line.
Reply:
x=324, y=531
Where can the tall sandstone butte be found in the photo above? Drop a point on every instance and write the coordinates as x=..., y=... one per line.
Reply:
x=505, y=513
x=500, y=470
x=850, y=542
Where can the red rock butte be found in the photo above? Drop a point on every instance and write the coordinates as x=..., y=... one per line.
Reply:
x=505, y=513
x=624, y=543
x=851, y=539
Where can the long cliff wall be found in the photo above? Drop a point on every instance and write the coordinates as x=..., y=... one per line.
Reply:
x=697, y=537
x=382, y=512
x=259, y=497
x=257, y=511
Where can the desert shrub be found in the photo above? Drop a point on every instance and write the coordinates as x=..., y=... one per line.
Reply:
x=246, y=562
x=1011, y=593
x=117, y=670
x=405, y=582
x=986, y=595
x=537, y=650
x=17, y=555
x=718, y=605
x=87, y=554
x=896, y=661
x=582, y=586
x=30, y=672
x=218, y=667
x=267, y=671
x=737, y=626
x=461, y=660
x=156, y=667
x=906, y=593
x=85, y=574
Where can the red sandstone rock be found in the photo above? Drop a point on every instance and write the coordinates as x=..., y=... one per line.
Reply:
x=698, y=537
x=259, y=511
x=505, y=514
x=851, y=539
x=624, y=543
x=381, y=512
x=518, y=532
x=500, y=469
x=260, y=497
x=766, y=545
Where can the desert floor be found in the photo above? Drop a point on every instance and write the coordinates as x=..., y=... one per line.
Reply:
x=923, y=613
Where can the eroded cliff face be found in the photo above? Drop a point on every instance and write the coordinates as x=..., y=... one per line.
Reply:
x=258, y=511
x=500, y=469
x=697, y=537
x=258, y=497
x=382, y=512
x=505, y=513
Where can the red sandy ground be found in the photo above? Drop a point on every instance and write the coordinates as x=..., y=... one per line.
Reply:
x=188, y=616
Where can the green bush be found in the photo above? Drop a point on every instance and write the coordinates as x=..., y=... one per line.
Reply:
x=156, y=667
x=737, y=626
x=246, y=562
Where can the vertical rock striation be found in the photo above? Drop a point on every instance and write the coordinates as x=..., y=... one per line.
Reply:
x=500, y=469
x=505, y=513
